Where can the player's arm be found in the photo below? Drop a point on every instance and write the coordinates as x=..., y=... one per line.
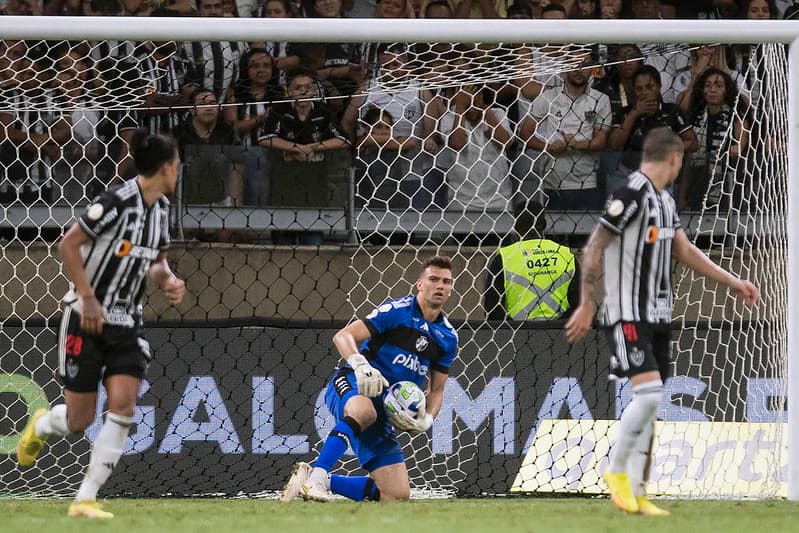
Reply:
x=369, y=379
x=160, y=274
x=582, y=318
x=91, y=316
x=686, y=253
x=435, y=396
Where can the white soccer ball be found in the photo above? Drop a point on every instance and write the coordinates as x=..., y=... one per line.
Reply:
x=403, y=396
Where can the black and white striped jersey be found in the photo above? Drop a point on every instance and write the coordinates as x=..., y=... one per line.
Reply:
x=638, y=263
x=127, y=237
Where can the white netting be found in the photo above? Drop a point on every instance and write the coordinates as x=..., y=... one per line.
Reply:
x=440, y=156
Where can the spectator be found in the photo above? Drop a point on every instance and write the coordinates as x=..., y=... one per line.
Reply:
x=436, y=9
x=647, y=113
x=707, y=9
x=610, y=9
x=717, y=115
x=618, y=85
x=215, y=63
x=585, y=9
x=669, y=60
x=747, y=59
x=479, y=135
x=210, y=151
x=566, y=130
x=166, y=92
x=283, y=54
x=702, y=58
x=302, y=132
x=248, y=104
x=341, y=67
x=394, y=9
x=534, y=278
x=519, y=10
x=89, y=159
x=34, y=128
x=392, y=169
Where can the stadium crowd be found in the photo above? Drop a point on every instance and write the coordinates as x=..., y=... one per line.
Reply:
x=296, y=117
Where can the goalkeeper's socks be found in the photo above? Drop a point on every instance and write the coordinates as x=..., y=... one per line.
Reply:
x=337, y=442
x=105, y=454
x=358, y=488
x=641, y=412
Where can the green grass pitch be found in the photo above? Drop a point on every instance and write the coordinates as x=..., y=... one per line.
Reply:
x=490, y=515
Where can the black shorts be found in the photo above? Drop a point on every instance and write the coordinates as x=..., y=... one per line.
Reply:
x=638, y=347
x=85, y=360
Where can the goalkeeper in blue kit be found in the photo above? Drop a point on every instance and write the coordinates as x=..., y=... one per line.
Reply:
x=406, y=339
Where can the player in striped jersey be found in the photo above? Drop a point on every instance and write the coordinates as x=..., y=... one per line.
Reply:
x=119, y=242
x=639, y=234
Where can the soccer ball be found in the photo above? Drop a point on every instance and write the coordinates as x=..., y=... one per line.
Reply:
x=403, y=396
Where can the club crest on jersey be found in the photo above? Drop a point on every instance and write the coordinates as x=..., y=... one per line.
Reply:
x=637, y=357
x=72, y=369
x=422, y=343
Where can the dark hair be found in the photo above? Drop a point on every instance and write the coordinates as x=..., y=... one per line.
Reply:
x=530, y=219
x=374, y=114
x=553, y=7
x=442, y=3
x=519, y=8
x=438, y=261
x=200, y=91
x=649, y=70
x=659, y=144
x=244, y=64
x=151, y=151
x=698, y=103
x=772, y=9
x=291, y=74
x=291, y=11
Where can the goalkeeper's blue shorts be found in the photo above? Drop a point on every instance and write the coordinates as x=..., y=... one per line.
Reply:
x=376, y=445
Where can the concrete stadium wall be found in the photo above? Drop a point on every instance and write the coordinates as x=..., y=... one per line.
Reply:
x=242, y=281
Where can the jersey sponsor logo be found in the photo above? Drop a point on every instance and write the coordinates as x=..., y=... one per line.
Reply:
x=637, y=357
x=654, y=234
x=127, y=249
x=410, y=362
x=422, y=342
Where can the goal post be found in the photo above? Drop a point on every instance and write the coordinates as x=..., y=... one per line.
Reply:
x=377, y=270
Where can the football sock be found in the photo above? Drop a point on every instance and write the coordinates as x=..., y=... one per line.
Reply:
x=639, y=413
x=640, y=459
x=356, y=488
x=337, y=442
x=53, y=423
x=106, y=452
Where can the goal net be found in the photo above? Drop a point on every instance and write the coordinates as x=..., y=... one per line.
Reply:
x=443, y=142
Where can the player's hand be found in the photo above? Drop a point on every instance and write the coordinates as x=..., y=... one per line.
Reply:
x=413, y=425
x=174, y=289
x=579, y=323
x=91, y=315
x=746, y=291
x=369, y=379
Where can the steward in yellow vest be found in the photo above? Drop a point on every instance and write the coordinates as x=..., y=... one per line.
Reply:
x=534, y=278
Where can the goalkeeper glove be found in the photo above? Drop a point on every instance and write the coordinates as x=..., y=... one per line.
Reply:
x=412, y=424
x=369, y=379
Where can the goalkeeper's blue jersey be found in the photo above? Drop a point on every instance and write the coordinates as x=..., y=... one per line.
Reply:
x=404, y=346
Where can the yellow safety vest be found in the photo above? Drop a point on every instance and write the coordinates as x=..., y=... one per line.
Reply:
x=537, y=277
